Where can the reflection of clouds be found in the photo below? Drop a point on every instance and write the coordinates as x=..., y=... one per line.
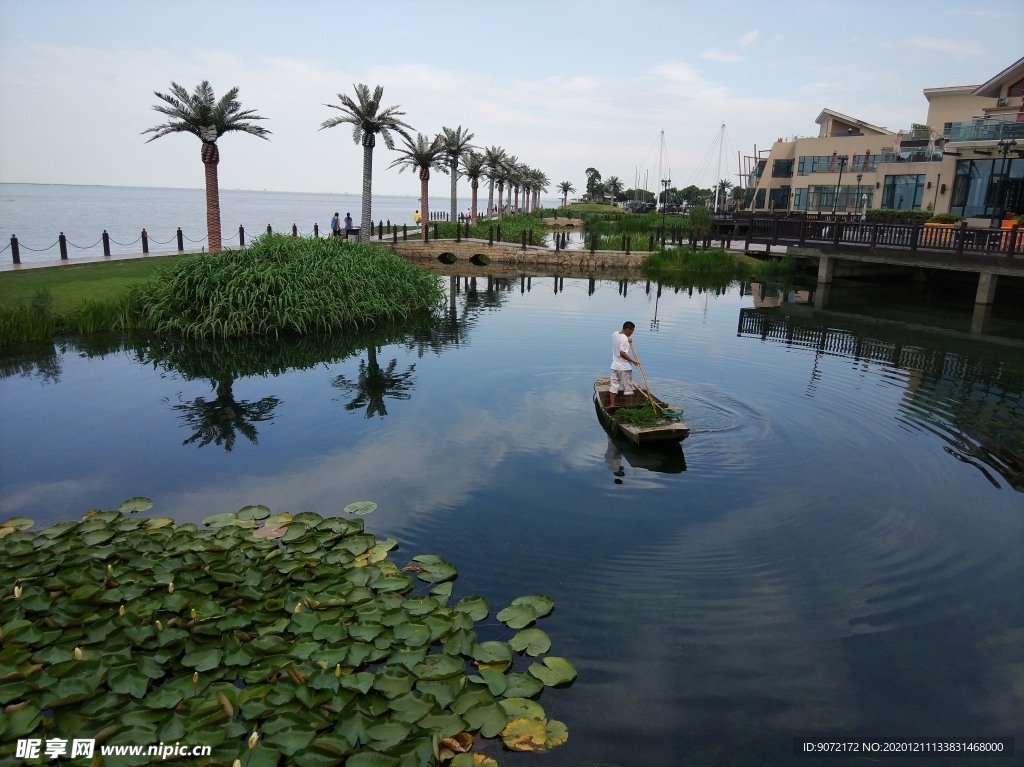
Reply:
x=790, y=619
x=69, y=493
x=411, y=469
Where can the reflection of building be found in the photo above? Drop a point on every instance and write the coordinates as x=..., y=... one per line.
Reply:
x=955, y=161
x=768, y=296
x=976, y=407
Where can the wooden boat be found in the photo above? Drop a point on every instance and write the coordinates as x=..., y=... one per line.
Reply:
x=667, y=430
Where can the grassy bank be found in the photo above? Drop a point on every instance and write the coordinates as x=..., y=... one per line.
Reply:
x=509, y=229
x=278, y=285
x=715, y=263
x=71, y=284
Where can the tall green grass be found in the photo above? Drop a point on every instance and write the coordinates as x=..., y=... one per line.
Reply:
x=716, y=263
x=285, y=284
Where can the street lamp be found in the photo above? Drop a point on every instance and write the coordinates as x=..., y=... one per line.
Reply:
x=1004, y=147
x=664, y=201
x=859, y=177
x=842, y=159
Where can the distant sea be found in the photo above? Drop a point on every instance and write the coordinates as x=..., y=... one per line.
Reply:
x=38, y=213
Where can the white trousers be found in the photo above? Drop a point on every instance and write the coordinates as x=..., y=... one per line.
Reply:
x=621, y=379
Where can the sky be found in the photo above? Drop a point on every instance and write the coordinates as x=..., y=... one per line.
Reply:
x=562, y=86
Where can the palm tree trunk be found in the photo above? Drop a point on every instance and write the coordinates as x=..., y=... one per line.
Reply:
x=565, y=200
x=367, y=214
x=490, y=199
x=472, y=209
x=424, y=201
x=515, y=208
x=501, y=193
x=211, y=156
x=455, y=200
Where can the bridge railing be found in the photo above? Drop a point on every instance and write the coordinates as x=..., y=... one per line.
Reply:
x=932, y=237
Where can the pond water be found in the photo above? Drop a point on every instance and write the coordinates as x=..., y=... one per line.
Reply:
x=837, y=548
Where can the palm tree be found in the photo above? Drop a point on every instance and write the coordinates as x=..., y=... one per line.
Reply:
x=541, y=182
x=504, y=176
x=202, y=115
x=368, y=119
x=494, y=162
x=566, y=188
x=421, y=155
x=613, y=186
x=473, y=168
x=221, y=420
x=455, y=143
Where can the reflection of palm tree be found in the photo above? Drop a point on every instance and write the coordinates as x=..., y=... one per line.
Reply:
x=374, y=384
x=221, y=420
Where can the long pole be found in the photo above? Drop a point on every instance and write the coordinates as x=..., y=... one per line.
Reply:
x=647, y=388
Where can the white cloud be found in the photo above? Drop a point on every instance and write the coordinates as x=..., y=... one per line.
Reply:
x=724, y=57
x=749, y=38
x=958, y=49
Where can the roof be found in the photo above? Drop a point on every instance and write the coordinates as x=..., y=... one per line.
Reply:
x=1011, y=74
x=949, y=90
x=825, y=113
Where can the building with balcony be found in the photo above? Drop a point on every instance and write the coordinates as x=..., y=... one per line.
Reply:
x=961, y=159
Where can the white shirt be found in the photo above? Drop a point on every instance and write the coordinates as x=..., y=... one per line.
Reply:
x=620, y=343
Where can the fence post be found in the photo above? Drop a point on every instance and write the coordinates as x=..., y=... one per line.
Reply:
x=380, y=229
x=835, y=232
x=531, y=238
x=145, y=242
x=269, y=230
x=623, y=242
x=64, y=246
x=961, y=238
x=523, y=238
x=750, y=235
x=627, y=239
x=593, y=243
x=1013, y=241
x=874, y=235
x=15, y=252
x=394, y=234
x=181, y=241
x=458, y=231
x=316, y=230
x=558, y=241
x=915, y=233
x=106, y=243
x=435, y=230
x=405, y=232
x=241, y=236
x=775, y=230
x=490, y=234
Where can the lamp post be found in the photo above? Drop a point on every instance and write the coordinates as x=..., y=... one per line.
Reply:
x=1004, y=147
x=842, y=159
x=859, y=177
x=664, y=201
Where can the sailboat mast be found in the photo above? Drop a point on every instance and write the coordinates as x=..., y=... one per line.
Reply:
x=718, y=172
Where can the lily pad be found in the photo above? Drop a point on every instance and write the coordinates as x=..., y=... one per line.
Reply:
x=270, y=531
x=517, y=616
x=136, y=504
x=555, y=671
x=534, y=641
x=219, y=520
x=542, y=605
x=361, y=508
x=253, y=512
x=524, y=735
x=523, y=708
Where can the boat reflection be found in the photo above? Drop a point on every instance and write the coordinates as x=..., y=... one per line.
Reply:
x=663, y=458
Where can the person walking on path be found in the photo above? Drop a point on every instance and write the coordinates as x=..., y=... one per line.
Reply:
x=416, y=218
x=335, y=223
x=348, y=224
x=622, y=363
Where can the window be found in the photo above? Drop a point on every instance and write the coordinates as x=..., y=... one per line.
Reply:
x=782, y=169
x=759, y=199
x=1016, y=89
x=903, y=192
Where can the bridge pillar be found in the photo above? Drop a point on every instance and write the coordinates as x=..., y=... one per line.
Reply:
x=980, y=318
x=986, y=288
x=826, y=266
x=821, y=295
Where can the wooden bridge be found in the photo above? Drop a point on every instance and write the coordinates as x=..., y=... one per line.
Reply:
x=986, y=252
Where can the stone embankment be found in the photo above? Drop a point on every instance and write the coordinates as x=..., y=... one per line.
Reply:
x=515, y=256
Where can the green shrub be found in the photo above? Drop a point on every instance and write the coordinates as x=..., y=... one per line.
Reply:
x=945, y=218
x=894, y=216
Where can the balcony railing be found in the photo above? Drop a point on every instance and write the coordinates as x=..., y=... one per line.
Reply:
x=915, y=154
x=986, y=130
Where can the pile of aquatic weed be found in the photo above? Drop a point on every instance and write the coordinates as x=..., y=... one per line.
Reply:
x=285, y=284
x=273, y=640
x=638, y=415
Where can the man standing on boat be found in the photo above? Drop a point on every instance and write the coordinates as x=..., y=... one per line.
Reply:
x=622, y=363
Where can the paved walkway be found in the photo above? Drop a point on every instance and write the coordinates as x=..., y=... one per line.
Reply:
x=93, y=260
